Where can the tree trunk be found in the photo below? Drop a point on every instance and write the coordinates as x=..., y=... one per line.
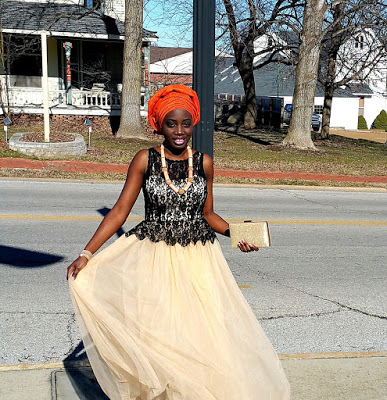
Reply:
x=299, y=134
x=250, y=116
x=244, y=57
x=130, y=123
x=326, y=116
x=329, y=85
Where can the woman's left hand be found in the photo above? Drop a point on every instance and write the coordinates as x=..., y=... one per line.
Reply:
x=246, y=247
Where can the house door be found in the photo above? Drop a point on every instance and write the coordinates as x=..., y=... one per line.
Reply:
x=361, y=106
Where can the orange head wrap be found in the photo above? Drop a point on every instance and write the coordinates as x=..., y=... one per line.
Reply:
x=172, y=97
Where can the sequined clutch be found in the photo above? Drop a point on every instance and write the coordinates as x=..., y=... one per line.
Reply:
x=256, y=233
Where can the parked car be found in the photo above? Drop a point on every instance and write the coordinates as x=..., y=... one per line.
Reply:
x=288, y=113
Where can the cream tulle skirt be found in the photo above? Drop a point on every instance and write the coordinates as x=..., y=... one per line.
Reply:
x=170, y=323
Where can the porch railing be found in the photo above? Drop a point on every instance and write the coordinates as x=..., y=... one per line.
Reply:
x=81, y=99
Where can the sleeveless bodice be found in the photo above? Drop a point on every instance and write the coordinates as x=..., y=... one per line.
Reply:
x=169, y=216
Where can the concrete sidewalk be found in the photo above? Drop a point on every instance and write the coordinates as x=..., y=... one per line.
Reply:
x=339, y=376
x=94, y=167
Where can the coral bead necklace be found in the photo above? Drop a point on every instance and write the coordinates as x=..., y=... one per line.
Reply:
x=166, y=175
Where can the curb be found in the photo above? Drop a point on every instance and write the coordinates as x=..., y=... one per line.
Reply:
x=96, y=181
x=296, y=356
x=95, y=167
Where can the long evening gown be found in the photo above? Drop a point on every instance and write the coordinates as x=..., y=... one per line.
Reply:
x=160, y=313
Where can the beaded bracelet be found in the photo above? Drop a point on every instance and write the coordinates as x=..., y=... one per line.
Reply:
x=86, y=253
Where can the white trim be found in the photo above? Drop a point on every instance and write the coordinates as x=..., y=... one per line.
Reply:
x=362, y=94
x=74, y=34
x=65, y=111
x=66, y=34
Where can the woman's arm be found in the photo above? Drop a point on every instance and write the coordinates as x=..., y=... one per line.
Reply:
x=120, y=211
x=217, y=223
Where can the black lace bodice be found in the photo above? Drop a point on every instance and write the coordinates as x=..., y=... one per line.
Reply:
x=169, y=216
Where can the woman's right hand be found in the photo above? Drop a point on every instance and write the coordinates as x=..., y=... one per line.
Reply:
x=76, y=266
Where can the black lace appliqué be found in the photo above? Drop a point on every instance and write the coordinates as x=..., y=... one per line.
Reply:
x=169, y=216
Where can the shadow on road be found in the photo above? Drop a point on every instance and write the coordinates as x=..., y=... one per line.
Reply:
x=103, y=211
x=18, y=257
x=78, y=380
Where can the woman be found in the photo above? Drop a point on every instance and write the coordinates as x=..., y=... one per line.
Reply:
x=161, y=315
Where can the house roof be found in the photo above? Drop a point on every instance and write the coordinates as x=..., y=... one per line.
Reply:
x=61, y=20
x=163, y=53
x=290, y=37
x=270, y=79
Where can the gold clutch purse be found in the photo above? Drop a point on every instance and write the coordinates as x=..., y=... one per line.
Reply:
x=256, y=233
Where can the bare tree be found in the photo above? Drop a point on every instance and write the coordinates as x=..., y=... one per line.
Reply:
x=245, y=23
x=299, y=134
x=239, y=24
x=316, y=27
x=353, y=50
x=175, y=15
x=130, y=123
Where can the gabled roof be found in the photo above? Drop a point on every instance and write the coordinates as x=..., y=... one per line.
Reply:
x=269, y=80
x=290, y=37
x=31, y=18
x=163, y=53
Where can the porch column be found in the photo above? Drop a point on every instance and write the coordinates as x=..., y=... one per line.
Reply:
x=146, y=73
x=45, y=87
x=68, y=46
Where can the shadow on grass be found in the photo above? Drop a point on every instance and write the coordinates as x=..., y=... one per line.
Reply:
x=252, y=135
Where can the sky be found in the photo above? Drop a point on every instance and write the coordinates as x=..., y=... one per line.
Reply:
x=173, y=26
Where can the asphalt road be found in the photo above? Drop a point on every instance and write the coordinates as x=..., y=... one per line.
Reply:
x=321, y=287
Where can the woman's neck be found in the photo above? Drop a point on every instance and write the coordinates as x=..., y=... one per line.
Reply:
x=178, y=153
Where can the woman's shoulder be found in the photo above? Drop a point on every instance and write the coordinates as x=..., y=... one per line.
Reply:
x=202, y=155
x=207, y=161
x=141, y=155
x=204, y=162
x=141, y=159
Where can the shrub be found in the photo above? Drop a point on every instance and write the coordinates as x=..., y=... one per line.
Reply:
x=380, y=121
x=361, y=123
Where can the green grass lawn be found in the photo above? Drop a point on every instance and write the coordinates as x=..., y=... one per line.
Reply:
x=254, y=150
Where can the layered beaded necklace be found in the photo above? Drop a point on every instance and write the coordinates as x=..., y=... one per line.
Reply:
x=166, y=175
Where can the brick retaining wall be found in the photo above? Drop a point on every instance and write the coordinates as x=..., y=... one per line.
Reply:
x=70, y=123
x=102, y=124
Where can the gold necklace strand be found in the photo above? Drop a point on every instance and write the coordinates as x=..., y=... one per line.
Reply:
x=166, y=175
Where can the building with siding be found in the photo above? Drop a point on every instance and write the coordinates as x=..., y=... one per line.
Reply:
x=84, y=57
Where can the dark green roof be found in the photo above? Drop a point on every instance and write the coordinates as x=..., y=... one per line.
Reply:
x=35, y=17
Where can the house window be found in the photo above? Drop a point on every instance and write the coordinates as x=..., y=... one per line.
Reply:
x=23, y=60
x=318, y=109
x=93, y=4
x=361, y=106
x=359, y=42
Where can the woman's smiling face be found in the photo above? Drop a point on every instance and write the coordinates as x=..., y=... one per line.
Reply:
x=177, y=129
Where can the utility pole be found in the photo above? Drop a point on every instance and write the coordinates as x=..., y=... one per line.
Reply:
x=203, y=72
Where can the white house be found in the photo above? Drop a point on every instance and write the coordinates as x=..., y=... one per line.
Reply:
x=84, y=57
x=362, y=50
x=366, y=96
